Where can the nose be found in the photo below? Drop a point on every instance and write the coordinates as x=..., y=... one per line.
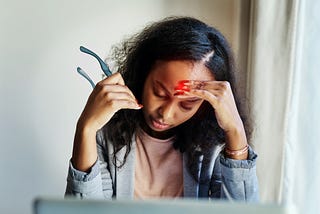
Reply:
x=167, y=111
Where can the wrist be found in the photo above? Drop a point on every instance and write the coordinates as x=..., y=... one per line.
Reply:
x=236, y=144
x=236, y=152
x=236, y=139
x=85, y=127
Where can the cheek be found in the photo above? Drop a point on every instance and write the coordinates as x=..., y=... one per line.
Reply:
x=183, y=117
x=149, y=102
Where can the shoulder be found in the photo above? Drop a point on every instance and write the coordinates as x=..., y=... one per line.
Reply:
x=104, y=143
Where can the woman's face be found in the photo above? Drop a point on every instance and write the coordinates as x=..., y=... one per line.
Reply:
x=162, y=110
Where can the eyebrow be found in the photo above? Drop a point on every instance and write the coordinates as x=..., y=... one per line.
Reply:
x=191, y=99
x=162, y=86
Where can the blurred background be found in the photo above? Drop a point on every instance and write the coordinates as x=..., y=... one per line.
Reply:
x=41, y=95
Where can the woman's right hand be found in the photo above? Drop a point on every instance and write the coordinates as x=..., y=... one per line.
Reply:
x=109, y=96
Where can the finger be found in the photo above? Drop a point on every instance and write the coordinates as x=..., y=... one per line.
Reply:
x=111, y=95
x=203, y=94
x=124, y=104
x=115, y=78
x=198, y=84
x=218, y=88
x=117, y=88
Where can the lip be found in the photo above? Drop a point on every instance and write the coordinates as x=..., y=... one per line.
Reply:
x=158, y=125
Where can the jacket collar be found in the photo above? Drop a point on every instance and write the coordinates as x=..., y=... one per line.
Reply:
x=124, y=177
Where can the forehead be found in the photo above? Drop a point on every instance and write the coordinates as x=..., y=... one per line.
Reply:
x=170, y=73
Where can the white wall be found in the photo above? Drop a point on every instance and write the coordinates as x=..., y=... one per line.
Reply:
x=41, y=95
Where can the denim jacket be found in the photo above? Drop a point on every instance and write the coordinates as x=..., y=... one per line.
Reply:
x=223, y=178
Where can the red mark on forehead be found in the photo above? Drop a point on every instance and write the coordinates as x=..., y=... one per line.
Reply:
x=179, y=86
x=182, y=86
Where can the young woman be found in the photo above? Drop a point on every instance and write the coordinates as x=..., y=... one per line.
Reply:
x=168, y=124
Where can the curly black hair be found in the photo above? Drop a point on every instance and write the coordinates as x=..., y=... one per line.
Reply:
x=173, y=38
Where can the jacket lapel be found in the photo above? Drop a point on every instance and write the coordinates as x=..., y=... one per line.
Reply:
x=190, y=185
x=125, y=175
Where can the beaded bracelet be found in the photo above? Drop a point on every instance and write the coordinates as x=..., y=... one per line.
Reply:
x=236, y=152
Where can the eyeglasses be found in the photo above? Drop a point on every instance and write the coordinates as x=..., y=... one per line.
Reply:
x=103, y=65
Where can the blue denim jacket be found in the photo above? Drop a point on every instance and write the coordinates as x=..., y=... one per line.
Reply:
x=230, y=179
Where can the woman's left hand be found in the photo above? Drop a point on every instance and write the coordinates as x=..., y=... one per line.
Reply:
x=220, y=96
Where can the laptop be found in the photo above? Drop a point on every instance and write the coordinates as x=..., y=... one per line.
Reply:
x=163, y=206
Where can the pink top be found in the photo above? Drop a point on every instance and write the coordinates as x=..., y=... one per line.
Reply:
x=158, y=168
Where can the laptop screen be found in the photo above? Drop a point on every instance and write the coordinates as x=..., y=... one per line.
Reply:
x=174, y=206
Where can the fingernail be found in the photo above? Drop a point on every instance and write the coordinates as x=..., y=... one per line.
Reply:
x=179, y=93
x=186, y=88
x=140, y=105
x=182, y=82
x=182, y=88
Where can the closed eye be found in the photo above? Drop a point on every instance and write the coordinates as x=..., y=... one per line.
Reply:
x=186, y=107
x=189, y=104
